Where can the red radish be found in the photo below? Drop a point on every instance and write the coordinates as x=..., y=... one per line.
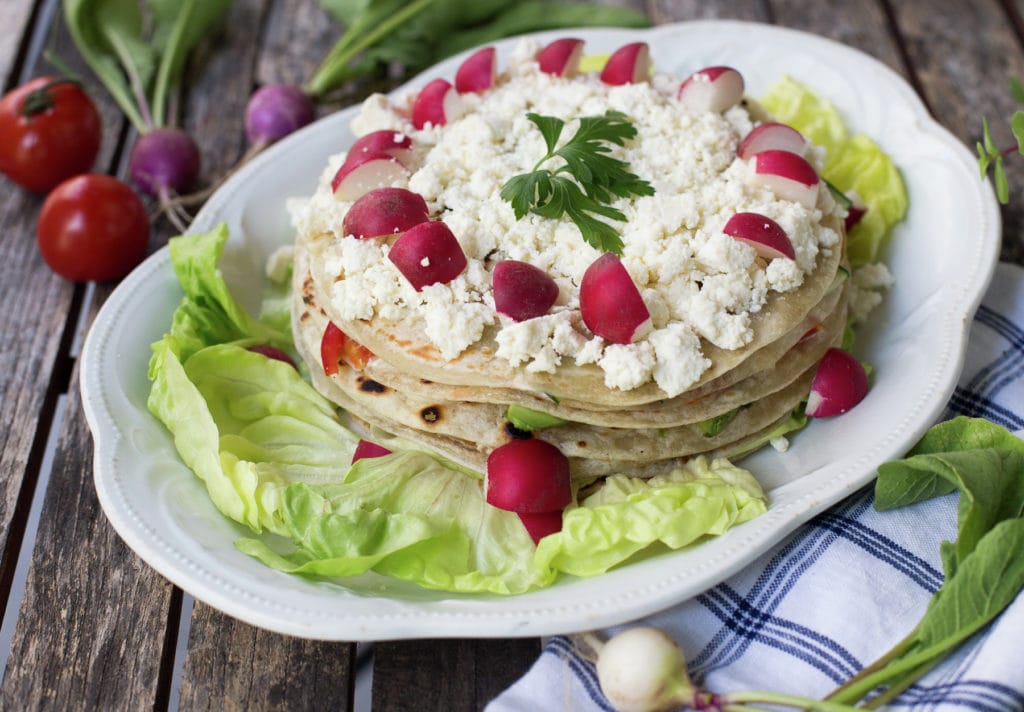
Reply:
x=436, y=104
x=611, y=304
x=853, y=216
x=336, y=347
x=274, y=353
x=385, y=211
x=711, y=89
x=428, y=253
x=528, y=476
x=276, y=110
x=787, y=175
x=363, y=172
x=770, y=136
x=629, y=64
x=386, y=141
x=522, y=291
x=540, y=524
x=366, y=449
x=839, y=384
x=762, y=233
x=561, y=57
x=477, y=73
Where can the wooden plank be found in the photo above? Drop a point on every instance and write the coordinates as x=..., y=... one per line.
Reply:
x=963, y=55
x=861, y=24
x=664, y=11
x=16, y=18
x=443, y=675
x=297, y=35
x=36, y=321
x=234, y=666
x=92, y=632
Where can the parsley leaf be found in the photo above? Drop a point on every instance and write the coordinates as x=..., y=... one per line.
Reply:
x=586, y=183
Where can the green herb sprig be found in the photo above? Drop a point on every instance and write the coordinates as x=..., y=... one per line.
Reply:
x=586, y=183
x=991, y=156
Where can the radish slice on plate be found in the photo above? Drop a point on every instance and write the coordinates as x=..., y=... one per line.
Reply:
x=610, y=302
x=522, y=291
x=366, y=449
x=528, y=476
x=839, y=384
x=541, y=524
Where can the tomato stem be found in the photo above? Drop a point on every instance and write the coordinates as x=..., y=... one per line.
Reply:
x=39, y=100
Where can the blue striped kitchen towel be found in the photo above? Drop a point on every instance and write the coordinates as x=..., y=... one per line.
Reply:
x=845, y=587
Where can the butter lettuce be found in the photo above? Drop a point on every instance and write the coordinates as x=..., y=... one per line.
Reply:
x=852, y=163
x=274, y=456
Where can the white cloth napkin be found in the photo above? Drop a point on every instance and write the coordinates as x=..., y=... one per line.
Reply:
x=845, y=587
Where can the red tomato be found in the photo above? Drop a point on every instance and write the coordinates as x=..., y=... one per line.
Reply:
x=336, y=346
x=49, y=131
x=93, y=227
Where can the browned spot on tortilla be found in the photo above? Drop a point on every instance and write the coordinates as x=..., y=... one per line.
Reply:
x=307, y=300
x=425, y=382
x=581, y=443
x=368, y=385
x=431, y=414
x=305, y=315
x=322, y=312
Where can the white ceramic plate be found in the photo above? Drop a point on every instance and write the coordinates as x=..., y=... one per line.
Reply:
x=942, y=257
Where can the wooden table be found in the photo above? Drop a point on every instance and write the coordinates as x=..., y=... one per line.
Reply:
x=87, y=625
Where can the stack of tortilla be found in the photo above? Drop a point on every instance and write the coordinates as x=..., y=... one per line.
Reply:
x=458, y=407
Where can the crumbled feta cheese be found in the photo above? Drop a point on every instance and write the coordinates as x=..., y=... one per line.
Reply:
x=781, y=443
x=867, y=286
x=696, y=281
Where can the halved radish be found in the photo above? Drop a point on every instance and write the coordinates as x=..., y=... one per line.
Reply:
x=428, y=253
x=839, y=384
x=363, y=172
x=393, y=143
x=528, y=476
x=385, y=211
x=436, y=104
x=762, y=233
x=787, y=175
x=274, y=353
x=366, y=449
x=770, y=136
x=477, y=72
x=561, y=57
x=522, y=291
x=711, y=89
x=336, y=347
x=629, y=64
x=540, y=524
x=854, y=214
x=610, y=302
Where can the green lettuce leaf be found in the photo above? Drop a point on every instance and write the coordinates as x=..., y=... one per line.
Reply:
x=274, y=456
x=852, y=163
x=627, y=515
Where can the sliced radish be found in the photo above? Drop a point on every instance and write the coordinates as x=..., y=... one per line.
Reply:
x=711, y=89
x=366, y=449
x=436, y=104
x=385, y=211
x=393, y=143
x=363, y=172
x=522, y=291
x=540, y=524
x=854, y=214
x=428, y=253
x=762, y=233
x=610, y=302
x=629, y=64
x=477, y=73
x=839, y=384
x=274, y=353
x=772, y=136
x=561, y=57
x=787, y=175
x=528, y=476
